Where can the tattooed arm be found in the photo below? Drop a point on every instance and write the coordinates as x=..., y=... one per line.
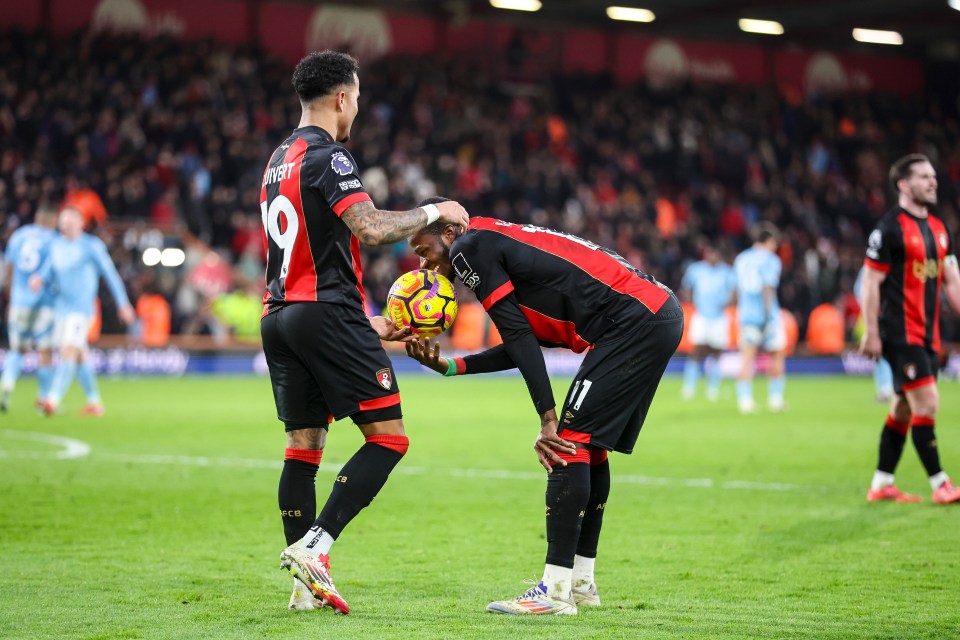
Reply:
x=373, y=226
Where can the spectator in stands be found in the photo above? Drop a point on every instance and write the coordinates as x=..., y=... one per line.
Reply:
x=153, y=312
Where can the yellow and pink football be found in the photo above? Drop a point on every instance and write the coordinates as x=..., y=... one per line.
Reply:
x=423, y=300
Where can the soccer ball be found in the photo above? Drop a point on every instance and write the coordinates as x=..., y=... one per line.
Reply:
x=424, y=301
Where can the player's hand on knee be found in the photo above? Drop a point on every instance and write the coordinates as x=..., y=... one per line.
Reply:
x=430, y=358
x=548, y=443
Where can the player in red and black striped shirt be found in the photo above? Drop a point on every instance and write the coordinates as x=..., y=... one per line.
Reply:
x=546, y=288
x=910, y=260
x=324, y=355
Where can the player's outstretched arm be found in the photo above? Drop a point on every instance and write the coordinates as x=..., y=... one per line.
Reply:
x=375, y=227
x=493, y=359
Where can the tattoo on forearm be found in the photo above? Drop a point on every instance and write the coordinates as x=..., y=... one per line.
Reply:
x=372, y=226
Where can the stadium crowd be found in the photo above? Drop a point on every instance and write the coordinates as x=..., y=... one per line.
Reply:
x=172, y=137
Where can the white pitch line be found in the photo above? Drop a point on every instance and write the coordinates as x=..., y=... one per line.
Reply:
x=72, y=449
x=489, y=474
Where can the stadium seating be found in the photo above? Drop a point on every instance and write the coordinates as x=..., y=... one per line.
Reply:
x=174, y=140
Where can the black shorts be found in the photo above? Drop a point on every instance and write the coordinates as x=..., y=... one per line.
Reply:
x=913, y=366
x=326, y=362
x=611, y=394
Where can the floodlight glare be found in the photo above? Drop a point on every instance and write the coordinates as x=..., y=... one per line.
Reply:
x=172, y=257
x=151, y=257
x=769, y=27
x=630, y=14
x=876, y=36
x=516, y=5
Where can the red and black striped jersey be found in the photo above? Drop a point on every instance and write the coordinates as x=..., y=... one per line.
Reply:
x=311, y=253
x=570, y=290
x=911, y=251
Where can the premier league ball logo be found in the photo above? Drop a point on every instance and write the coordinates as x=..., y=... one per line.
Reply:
x=341, y=164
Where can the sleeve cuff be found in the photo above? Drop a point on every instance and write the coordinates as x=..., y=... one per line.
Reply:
x=342, y=205
x=498, y=294
x=876, y=266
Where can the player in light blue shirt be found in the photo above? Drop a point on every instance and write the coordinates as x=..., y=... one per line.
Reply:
x=74, y=267
x=29, y=313
x=710, y=284
x=882, y=373
x=758, y=316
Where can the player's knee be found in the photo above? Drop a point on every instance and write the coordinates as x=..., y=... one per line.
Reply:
x=925, y=400
x=307, y=438
x=398, y=443
x=582, y=455
x=898, y=424
x=928, y=410
x=597, y=456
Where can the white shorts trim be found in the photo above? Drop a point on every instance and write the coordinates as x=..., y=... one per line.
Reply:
x=712, y=332
x=771, y=338
x=70, y=330
x=30, y=327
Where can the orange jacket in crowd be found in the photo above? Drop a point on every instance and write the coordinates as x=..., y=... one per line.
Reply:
x=154, y=313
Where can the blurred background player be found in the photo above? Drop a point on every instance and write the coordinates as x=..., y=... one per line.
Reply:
x=758, y=316
x=546, y=288
x=30, y=313
x=73, y=269
x=710, y=283
x=910, y=259
x=882, y=373
x=324, y=354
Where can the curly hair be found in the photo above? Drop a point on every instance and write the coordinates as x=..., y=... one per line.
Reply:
x=320, y=72
x=435, y=228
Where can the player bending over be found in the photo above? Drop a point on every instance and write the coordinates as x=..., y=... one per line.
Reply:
x=546, y=288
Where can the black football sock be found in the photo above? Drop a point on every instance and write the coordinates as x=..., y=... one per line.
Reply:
x=596, y=504
x=297, y=494
x=925, y=441
x=567, y=491
x=360, y=480
x=892, y=439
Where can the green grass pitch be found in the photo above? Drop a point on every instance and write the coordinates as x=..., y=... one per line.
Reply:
x=718, y=526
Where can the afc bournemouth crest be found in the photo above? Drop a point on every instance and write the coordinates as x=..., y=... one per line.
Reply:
x=943, y=240
x=385, y=379
x=910, y=371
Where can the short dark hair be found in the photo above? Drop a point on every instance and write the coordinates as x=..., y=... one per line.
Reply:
x=434, y=228
x=903, y=167
x=320, y=72
x=764, y=231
